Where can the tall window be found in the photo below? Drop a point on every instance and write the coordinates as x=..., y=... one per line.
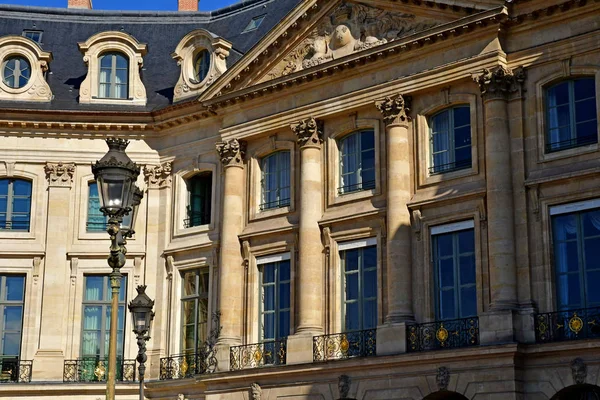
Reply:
x=357, y=162
x=114, y=75
x=450, y=140
x=12, y=295
x=200, y=199
x=275, y=180
x=15, y=204
x=96, y=221
x=201, y=65
x=96, y=317
x=454, y=266
x=571, y=114
x=194, y=306
x=576, y=242
x=274, y=300
x=359, y=269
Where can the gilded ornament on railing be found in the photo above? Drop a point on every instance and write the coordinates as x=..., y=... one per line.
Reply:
x=345, y=345
x=100, y=370
x=443, y=334
x=575, y=324
x=258, y=354
x=567, y=325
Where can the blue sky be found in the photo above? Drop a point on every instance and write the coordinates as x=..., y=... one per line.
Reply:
x=205, y=5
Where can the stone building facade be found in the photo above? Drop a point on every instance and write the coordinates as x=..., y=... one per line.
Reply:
x=342, y=199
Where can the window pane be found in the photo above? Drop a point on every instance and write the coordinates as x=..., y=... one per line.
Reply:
x=121, y=76
x=587, y=132
x=463, y=156
x=106, y=61
x=462, y=136
x=269, y=273
x=284, y=324
x=446, y=272
x=466, y=241
x=21, y=205
x=350, y=258
x=591, y=223
x=592, y=253
x=12, y=344
x=593, y=294
x=468, y=302
x=585, y=110
x=15, y=287
x=284, y=270
x=584, y=88
x=444, y=244
x=370, y=256
x=269, y=298
x=467, y=269
x=370, y=284
x=269, y=326
x=189, y=283
x=21, y=187
x=565, y=227
x=440, y=142
x=447, y=305
x=3, y=187
x=284, y=295
x=462, y=116
x=369, y=314
x=94, y=286
x=188, y=312
x=12, y=318
x=121, y=61
x=352, y=286
x=352, y=317
x=558, y=94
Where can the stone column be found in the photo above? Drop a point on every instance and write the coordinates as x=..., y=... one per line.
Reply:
x=309, y=282
x=50, y=355
x=399, y=235
x=496, y=85
x=309, y=272
x=390, y=337
x=158, y=227
x=231, y=269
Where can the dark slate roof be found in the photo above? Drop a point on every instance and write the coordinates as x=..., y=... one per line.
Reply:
x=161, y=31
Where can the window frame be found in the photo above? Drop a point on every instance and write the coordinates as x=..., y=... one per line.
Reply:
x=27, y=31
x=454, y=229
x=206, y=55
x=10, y=196
x=87, y=217
x=103, y=304
x=112, y=82
x=277, y=309
x=279, y=171
x=196, y=298
x=4, y=303
x=570, y=81
x=358, y=159
x=19, y=58
x=253, y=24
x=445, y=168
x=189, y=182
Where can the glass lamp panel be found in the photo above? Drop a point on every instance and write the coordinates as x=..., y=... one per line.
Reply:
x=140, y=320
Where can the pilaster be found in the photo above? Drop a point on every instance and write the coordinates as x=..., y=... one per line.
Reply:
x=53, y=329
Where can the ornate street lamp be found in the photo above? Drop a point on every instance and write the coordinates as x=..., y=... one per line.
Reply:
x=116, y=174
x=141, y=312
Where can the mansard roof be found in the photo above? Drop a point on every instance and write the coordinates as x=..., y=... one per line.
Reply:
x=161, y=31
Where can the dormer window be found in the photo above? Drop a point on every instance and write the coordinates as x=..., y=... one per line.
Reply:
x=16, y=72
x=201, y=56
x=254, y=23
x=114, y=71
x=36, y=36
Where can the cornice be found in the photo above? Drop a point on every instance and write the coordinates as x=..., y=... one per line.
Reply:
x=410, y=43
x=545, y=11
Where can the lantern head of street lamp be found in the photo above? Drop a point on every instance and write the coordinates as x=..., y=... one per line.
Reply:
x=116, y=174
x=141, y=311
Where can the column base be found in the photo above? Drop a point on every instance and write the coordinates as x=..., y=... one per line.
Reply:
x=391, y=339
x=300, y=347
x=48, y=365
x=525, y=324
x=497, y=326
x=223, y=350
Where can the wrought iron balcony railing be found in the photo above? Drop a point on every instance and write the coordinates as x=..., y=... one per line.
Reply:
x=96, y=369
x=442, y=334
x=339, y=346
x=13, y=370
x=571, y=143
x=274, y=204
x=196, y=219
x=557, y=326
x=453, y=166
x=258, y=355
x=355, y=187
x=14, y=225
x=181, y=366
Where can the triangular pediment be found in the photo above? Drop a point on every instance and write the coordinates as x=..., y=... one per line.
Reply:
x=318, y=32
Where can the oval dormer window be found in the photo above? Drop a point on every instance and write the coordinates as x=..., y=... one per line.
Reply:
x=16, y=72
x=201, y=65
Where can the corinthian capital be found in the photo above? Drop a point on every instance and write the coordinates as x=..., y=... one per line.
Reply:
x=232, y=152
x=499, y=82
x=59, y=174
x=158, y=176
x=394, y=109
x=309, y=132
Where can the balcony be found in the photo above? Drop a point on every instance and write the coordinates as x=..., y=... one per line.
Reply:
x=13, y=370
x=96, y=369
x=439, y=335
x=559, y=326
x=258, y=355
x=195, y=218
x=341, y=346
x=181, y=366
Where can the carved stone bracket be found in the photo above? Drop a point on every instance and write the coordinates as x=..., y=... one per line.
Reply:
x=579, y=371
x=417, y=223
x=500, y=82
x=158, y=176
x=37, y=261
x=442, y=379
x=395, y=109
x=59, y=174
x=232, y=152
x=344, y=383
x=169, y=266
x=255, y=391
x=309, y=132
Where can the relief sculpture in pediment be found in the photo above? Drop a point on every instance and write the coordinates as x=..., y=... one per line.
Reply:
x=349, y=29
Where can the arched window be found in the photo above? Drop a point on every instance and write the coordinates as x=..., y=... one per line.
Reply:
x=15, y=204
x=114, y=74
x=275, y=181
x=201, y=65
x=16, y=72
x=571, y=119
x=200, y=200
x=450, y=138
x=357, y=162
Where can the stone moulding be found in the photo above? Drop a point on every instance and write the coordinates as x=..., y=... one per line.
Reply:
x=232, y=152
x=158, y=176
x=500, y=81
x=394, y=109
x=60, y=174
x=309, y=132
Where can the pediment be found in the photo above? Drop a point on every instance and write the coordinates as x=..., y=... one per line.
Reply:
x=350, y=28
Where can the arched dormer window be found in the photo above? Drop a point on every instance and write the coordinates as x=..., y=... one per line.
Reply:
x=22, y=67
x=201, y=56
x=114, y=74
x=114, y=61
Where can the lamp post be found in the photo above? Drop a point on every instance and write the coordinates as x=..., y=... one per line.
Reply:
x=115, y=175
x=141, y=312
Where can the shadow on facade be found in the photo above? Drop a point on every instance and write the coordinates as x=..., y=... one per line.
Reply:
x=578, y=392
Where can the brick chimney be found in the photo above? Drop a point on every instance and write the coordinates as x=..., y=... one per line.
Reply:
x=185, y=5
x=80, y=4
